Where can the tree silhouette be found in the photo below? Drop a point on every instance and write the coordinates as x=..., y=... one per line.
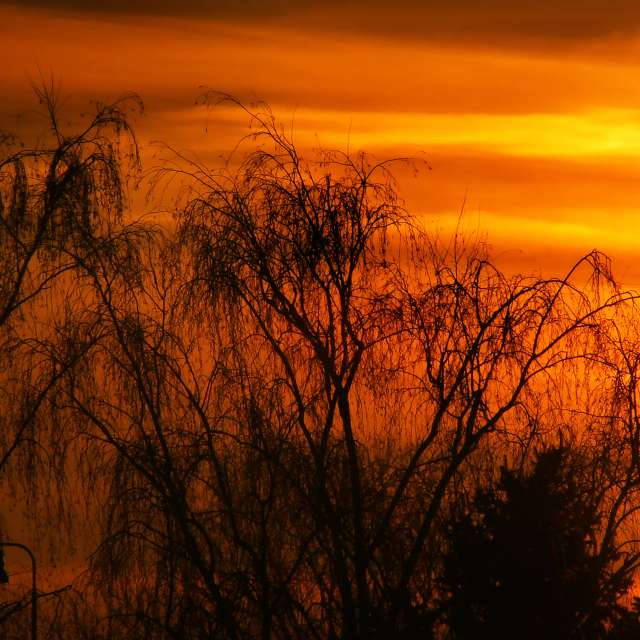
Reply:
x=626, y=626
x=62, y=206
x=524, y=559
x=270, y=408
x=61, y=202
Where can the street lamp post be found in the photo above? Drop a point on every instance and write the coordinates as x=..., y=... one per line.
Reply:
x=4, y=579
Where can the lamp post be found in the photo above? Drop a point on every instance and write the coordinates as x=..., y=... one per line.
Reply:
x=4, y=579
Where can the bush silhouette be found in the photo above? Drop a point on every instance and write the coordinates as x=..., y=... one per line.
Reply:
x=525, y=561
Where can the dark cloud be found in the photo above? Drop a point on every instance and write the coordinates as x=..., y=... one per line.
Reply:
x=491, y=21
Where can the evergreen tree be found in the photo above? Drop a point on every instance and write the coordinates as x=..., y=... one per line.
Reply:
x=524, y=561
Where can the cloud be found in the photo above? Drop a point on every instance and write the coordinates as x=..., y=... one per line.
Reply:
x=492, y=22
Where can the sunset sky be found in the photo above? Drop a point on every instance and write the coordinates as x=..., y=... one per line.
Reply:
x=528, y=113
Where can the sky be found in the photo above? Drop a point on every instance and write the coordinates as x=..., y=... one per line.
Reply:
x=528, y=114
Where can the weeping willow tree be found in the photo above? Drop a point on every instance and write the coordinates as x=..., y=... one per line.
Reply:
x=62, y=211
x=61, y=204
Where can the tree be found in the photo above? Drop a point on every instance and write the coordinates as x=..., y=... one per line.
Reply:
x=276, y=404
x=60, y=202
x=341, y=301
x=524, y=559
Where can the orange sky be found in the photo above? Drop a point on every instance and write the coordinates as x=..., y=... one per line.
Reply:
x=529, y=115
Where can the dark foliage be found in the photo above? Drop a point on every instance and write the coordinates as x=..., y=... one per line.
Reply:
x=524, y=560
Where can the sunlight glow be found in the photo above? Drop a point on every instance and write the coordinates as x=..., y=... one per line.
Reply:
x=613, y=132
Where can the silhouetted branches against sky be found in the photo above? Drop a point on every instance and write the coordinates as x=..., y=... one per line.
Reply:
x=268, y=411
x=61, y=205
